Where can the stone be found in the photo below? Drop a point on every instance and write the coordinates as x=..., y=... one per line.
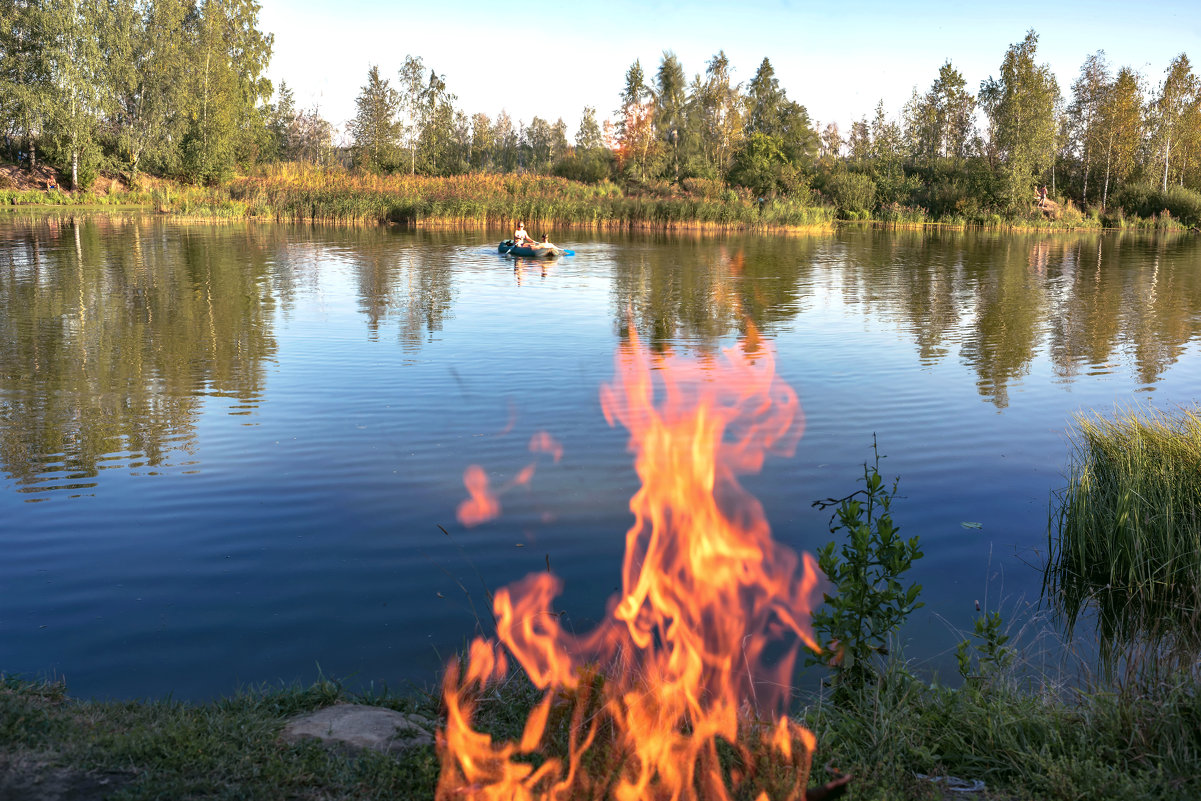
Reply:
x=357, y=727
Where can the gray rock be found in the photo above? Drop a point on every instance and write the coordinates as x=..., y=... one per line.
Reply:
x=356, y=727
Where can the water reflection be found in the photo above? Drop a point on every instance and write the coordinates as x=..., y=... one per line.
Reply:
x=701, y=290
x=117, y=328
x=402, y=281
x=112, y=336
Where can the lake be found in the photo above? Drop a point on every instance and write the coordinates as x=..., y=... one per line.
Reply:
x=232, y=454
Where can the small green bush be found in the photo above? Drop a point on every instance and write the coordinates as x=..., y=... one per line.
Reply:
x=852, y=192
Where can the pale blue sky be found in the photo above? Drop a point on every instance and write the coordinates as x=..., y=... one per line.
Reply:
x=836, y=58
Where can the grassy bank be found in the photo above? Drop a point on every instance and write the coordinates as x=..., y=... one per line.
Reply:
x=1126, y=532
x=498, y=200
x=292, y=193
x=1022, y=742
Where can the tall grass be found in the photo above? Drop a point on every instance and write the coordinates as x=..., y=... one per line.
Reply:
x=292, y=193
x=1125, y=534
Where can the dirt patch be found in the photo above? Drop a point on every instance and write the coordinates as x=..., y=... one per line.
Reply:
x=23, y=179
x=25, y=778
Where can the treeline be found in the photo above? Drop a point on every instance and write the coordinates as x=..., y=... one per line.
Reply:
x=176, y=88
x=951, y=154
x=170, y=87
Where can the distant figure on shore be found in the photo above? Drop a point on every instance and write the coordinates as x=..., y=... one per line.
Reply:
x=1042, y=194
x=521, y=238
x=51, y=184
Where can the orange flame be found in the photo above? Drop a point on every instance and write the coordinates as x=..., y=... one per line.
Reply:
x=702, y=642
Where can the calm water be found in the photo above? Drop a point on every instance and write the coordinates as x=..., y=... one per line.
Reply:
x=227, y=451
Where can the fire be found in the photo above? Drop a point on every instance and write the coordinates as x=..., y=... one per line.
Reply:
x=700, y=645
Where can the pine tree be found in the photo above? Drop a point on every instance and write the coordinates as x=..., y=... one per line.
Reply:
x=375, y=128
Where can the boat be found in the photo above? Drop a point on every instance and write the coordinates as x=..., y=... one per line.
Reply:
x=538, y=253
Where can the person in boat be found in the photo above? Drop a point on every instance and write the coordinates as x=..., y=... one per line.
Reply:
x=545, y=243
x=521, y=239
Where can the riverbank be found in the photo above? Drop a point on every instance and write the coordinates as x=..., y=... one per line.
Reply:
x=287, y=193
x=1012, y=739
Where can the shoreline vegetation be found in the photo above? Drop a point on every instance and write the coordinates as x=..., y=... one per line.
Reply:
x=1018, y=741
x=310, y=194
x=185, y=120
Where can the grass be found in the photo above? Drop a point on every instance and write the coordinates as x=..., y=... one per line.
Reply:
x=287, y=192
x=227, y=749
x=1023, y=740
x=1126, y=531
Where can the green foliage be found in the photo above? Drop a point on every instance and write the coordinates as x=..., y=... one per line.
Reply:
x=375, y=127
x=866, y=570
x=1021, y=106
x=1147, y=201
x=762, y=166
x=1125, y=534
x=1044, y=743
x=589, y=167
x=852, y=192
x=992, y=654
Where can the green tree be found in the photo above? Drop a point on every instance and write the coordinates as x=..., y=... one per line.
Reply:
x=311, y=138
x=1021, y=109
x=721, y=113
x=148, y=76
x=1121, y=127
x=832, y=141
x=25, y=72
x=633, y=94
x=76, y=61
x=956, y=112
x=280, y=123
x=482, y=142
x=588, y=137
x=375, y=128
x=920, y=116
x=860, y=141
x=1084, y=112
x=537, y=145
x=412, y=89
x=505, y=143
x=225, y=83
x=436, y=139
x=1170, y=107
x=770, y=115
x=640, y=151
x=670, y=104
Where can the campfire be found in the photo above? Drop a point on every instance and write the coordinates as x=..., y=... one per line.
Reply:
x=682, y=691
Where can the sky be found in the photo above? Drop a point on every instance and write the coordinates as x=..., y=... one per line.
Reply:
x=550, y=59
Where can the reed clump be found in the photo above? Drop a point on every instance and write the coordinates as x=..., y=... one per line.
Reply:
x=1126, y=531
x=292, y=193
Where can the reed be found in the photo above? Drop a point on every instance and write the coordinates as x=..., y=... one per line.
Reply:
x=483, y=199
x=1125, y=534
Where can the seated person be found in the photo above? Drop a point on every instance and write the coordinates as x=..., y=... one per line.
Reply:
x=545, y=243
x=521, y=238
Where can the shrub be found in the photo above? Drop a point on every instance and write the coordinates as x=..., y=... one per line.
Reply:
x=871, y=604
x=852, y=192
